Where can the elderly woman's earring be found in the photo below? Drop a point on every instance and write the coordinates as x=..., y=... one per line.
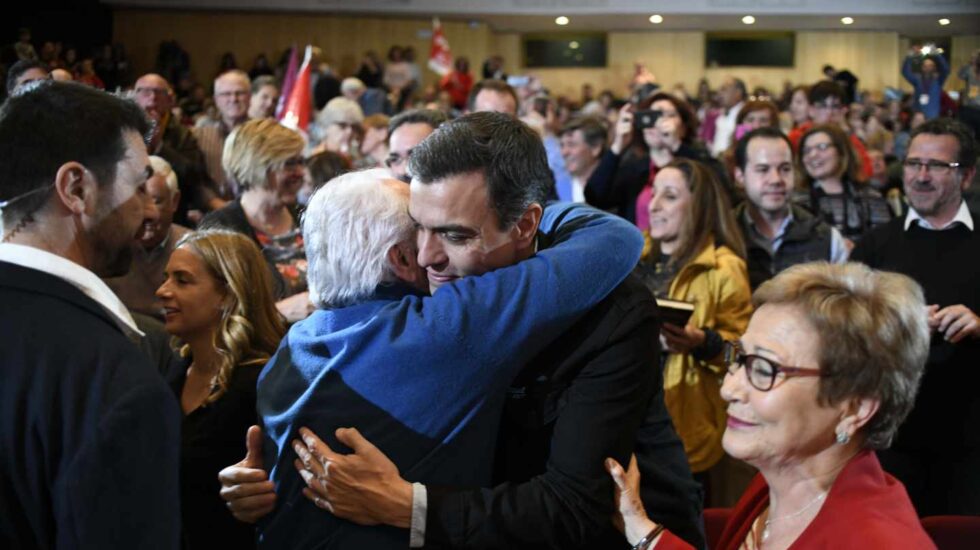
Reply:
x=843, y=438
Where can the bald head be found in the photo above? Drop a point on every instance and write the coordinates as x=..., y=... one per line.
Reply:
x=61, y=75
x=154, y=95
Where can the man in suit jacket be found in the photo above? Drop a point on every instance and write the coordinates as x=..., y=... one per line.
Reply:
x=88, y=431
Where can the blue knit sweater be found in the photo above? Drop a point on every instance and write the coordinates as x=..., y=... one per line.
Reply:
x=423, y=377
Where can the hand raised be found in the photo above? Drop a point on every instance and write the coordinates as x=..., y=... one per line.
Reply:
x=245, y=486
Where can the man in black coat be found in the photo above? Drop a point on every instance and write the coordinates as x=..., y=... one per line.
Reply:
x=88, y=431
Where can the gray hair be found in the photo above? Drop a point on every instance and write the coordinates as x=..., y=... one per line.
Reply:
x=340, y=109
x=873, y=332
x=349, y=226
x=163, y=169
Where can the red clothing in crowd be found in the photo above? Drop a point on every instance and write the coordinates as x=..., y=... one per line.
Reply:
x=458, y=85
x=865, y=508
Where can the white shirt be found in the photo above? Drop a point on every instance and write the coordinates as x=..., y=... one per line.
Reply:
x=962, y=216
x=75, y=275
x=724, y=128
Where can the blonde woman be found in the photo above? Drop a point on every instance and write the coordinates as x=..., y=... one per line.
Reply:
x=221, y=311
x=266, y=159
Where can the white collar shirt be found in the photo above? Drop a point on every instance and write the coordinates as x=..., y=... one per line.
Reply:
x=962, y=216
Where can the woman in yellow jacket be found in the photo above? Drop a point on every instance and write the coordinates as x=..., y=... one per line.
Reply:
x=696, y=254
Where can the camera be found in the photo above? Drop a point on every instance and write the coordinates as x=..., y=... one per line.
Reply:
x=645, y=119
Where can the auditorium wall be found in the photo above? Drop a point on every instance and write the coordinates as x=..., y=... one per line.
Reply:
x=674, y=57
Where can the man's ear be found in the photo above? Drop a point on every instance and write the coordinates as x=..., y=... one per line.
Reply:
x=402, y=261
x=76, y=188
x=740, y=177
x=526, y=226
x=967, y=178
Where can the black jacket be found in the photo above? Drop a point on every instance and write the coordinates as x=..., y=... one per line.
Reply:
x=595, y=392
x=89, y=433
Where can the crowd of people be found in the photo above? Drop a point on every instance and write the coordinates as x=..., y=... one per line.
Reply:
x=480, y=315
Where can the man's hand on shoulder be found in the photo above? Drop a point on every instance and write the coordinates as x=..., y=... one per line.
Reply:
x=363, y=487
x=245, y=486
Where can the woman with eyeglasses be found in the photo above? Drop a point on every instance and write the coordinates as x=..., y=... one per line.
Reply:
x=695, y=253
x=266, y=160
x=220, y=310
x=831, y=186
x=823, y=376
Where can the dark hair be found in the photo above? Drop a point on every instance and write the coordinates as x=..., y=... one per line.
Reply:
x=742, y=147
x=493, y=85
x=688, y=118
x=759, y=105
x=431, y=117
x=18, y=69
x=849, y=168
x=262, y=81
x=326, y=166
x=593, y=129
x=508, y=153
x=826, y=89
x=827, y=68
x=709, y=215
x=55, y=123
x=967, y=155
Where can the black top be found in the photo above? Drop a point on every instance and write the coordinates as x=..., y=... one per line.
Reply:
x=595, y=392
x=287, y=279
x=853, y=212
x=947, y=265
x=213, y=437
x=88, y=430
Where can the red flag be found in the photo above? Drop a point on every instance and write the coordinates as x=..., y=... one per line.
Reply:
x=296, y=113
x=440, y=58
x=287, y=83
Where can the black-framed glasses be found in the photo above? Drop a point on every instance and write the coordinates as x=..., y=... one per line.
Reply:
x=934, y=167
x=760, y=371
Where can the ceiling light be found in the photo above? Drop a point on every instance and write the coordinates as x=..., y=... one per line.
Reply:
x=656, y=19
x=573, y=44
x=561, y=20
x=847, y=20
x=748, y=20
x=944, y=21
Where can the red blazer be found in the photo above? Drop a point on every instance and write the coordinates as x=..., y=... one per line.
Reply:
x=865, y=508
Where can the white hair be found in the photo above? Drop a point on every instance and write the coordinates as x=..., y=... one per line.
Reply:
x=340, y=109
x=349, y=226
x=162, y=168
x=351, y=84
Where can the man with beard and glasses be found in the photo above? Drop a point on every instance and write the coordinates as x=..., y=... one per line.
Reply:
x=937, y=243
x=88, y=432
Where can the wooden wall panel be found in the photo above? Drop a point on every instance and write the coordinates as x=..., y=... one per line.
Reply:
x=207, y=35
x=674, y=57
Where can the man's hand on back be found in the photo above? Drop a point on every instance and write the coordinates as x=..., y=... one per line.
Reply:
x=363, y=487
x=245, y=486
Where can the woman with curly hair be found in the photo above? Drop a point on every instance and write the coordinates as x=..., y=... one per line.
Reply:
x=220, y=310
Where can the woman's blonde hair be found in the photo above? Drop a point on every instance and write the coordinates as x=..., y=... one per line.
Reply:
x=873, y=335
x=709, y=215
x=250, y=327
x=257, y=146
